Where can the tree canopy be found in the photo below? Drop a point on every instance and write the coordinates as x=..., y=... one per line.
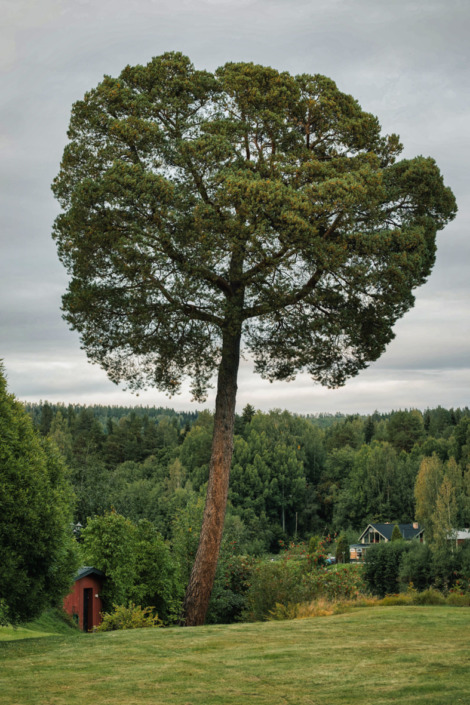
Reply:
x=37, y=555
x=248, y=196
x=205, y=211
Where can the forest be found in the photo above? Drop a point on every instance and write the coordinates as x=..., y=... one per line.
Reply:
x=123, y=490
x=291, y=476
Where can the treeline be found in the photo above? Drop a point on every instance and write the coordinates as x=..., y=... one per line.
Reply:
x=292, y=476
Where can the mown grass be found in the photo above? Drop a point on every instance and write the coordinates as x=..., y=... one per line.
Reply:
x=378, y=656
x=50, y=623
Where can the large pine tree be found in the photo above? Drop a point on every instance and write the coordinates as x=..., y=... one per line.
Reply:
x=205, y=212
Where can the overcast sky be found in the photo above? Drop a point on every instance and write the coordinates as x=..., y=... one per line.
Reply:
x=407, y=61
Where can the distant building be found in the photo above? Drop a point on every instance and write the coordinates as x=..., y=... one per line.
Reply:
x=84, y=603
x=460, y=536
x=376, y=533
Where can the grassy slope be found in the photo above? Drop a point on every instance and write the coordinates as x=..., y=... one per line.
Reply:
x=50, y=623
x=376, y=656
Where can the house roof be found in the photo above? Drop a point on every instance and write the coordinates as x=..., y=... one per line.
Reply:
x=460, y=535
x=407, y=530
x=88, y=570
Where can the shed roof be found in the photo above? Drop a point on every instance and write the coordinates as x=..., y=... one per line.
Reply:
x=88, y=570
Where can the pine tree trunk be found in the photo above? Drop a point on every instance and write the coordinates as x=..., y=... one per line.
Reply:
x=203, y=573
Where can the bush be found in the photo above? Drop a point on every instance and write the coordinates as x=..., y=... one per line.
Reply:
x=446, y=567
x=274, y=582
x=317, y=552
x=342, y=550
x=335, y=583
x=429, y=597
x=465, y=561
x=416, y=566
x=461, y=586
x=130, y=617
x=280, y=585
x=382, y=565
x=4, y=619
x=304, y=610
x=318, y=608
x=233, y=579
x=394, y=600
x=457, y=599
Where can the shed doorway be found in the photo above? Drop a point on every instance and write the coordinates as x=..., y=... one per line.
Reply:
x=87, y=609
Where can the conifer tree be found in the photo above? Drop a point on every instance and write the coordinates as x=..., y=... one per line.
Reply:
x=207, y=212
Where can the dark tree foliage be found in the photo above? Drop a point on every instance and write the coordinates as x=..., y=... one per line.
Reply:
x=205, y=211
x=369, y=430
x=37, y=559
x=46, y=419
x=416, y=567
x=405, y=428
x=342, y=550
x=382, y=567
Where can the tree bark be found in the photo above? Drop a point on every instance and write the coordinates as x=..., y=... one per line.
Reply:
x=203, y=573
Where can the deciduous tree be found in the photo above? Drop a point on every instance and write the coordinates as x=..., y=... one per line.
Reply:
x=37, y=557
x=205, y=211
x=427, y=485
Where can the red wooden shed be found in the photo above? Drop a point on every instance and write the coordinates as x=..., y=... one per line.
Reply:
x=84, y=603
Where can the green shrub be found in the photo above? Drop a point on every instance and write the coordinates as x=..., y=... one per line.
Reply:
x=282, y=612
x=314, y=543
x=428, y=597
x=321, y=607
x=130, y=617
x=3, y=612
x=461, y=586
x=342, y=550
x=393, y=600
x=457, y=599
x=317, y=554
x=465, y=561
x=446, y=567
x=278, y=585
x=233, y=579
x=276, y=581
x=416, y=566
x=382, y=565
x=335, y=582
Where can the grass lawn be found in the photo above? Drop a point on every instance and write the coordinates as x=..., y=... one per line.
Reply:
x=374, y=656
x=50, y=623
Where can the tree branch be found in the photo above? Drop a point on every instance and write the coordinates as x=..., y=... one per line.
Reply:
x=188, y=309
x=210, y=277
x=294, y=298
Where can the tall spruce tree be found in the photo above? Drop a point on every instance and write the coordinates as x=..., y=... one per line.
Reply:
x=206, y=211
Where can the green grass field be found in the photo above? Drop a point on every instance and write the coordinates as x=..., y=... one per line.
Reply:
x=374, y=656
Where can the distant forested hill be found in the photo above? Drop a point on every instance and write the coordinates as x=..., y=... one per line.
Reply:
x=291, y=475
